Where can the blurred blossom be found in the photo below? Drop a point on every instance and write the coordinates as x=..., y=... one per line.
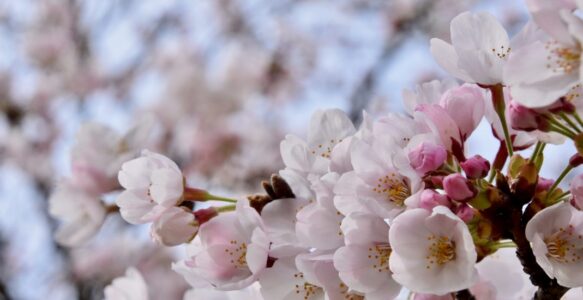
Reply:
x=214, y=85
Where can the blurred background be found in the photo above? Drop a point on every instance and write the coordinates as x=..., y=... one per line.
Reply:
x=219, y=82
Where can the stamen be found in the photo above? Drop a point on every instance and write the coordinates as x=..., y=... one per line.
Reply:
x=563, y=60
x=237, y=254
x=394, y=188
x=502, y=52
x=441, y=251
x=306, y=289
x=559, y=247
x=380, y=255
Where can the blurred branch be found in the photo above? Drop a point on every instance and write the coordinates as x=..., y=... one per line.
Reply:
x=4, y=293
x=365, y=89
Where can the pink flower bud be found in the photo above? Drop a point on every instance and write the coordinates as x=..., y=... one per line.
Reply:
x=427, y=157
x=476, y=167
x=205, y=214
x=431, y=199
x=458, y=187
x=465, y=105
x=465, y=212
x=522, y=117
x=576, y=160
x=544, y=184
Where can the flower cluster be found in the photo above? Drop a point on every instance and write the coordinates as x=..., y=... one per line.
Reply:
x=399, y=203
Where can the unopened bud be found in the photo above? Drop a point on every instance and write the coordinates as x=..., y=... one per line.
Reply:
x=458, y=188
x=576, y=160
x=522, y=117
x=476, y=167
x=205, y=214
x=544, y=184
x=465, y=212
x=427, y=157
x=430, y=199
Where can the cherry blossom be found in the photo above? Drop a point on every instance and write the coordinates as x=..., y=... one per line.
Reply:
x=363, y=264
x=546, y=69
x=285, y=281
x=433, y=252
x=153, y=182
x=479, y=48
x=556, y=234
x=327, y=129
x=81, y=214
x=380, y=181
x=233, y=250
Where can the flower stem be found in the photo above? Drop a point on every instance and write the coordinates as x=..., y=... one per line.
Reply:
x=508, y=244
x=578, y=119
x=226, y=208
x=570, y=122
x=536, y=151
x=223, y=199
x=566, y=171
x=561, y=131
x=557, y=125
x=500, y=107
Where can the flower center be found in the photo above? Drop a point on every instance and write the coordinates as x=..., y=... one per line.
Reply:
x=349, y=295
x=574, y=93
x=306, y=289
x=394, y=188
x=559, y=247
x=502, y=52
x=441, y=250
x=325, y=150
x=564, y=60
x=237, y=252
x=380, y=255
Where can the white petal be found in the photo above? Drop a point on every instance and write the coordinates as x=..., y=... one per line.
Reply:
x=445, y=55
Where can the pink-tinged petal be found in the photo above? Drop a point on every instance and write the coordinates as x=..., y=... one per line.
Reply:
x=327, y=128
x=134, y=207
x=556, y=236
x=548, y=17
x=295, y=154
x=167, y=187
x=473, y=36
x=219, y=230
x=247, y=217
x=340, y=157
x=389, y=290
x=279, y=218
x=440, y=123
x=445, y=55
x=131, y=286
x=367, y=164
x=419, y=260
x=284, y=281
x=466, y=106
x=357, y=270
x=257, y=251
x=175, y=226
x=364, y=229
x=160, y=161
x=318, y=227
x=134, y=174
